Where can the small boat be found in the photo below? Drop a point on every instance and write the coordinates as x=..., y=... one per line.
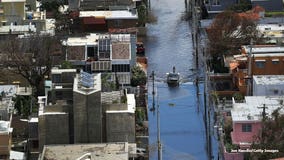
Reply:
x=173, y=78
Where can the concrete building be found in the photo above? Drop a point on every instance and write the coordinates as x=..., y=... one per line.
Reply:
x=120, y=121
x=247, y=118
x=115, y=53
x=268, y=85
x=104, y=20
x=5, y=139
x=61, y=84
x=53, y=123
x=22, y=18
x=7, y=93
x=272, y=33
x=215, y=7
x=89, y=116
x=87, y=108
x=6, y=107
x=102, y=151
x=275, y=5
x=265, y=60
x=33, y=139
x=101, y=5
x=13, y=11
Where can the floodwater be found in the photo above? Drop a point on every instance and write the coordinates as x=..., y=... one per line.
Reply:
x=168, y=44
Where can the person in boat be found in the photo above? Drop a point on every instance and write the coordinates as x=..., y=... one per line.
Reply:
x=174, y=69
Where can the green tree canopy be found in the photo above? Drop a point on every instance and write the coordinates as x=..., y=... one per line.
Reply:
x=138, y=76
x=271, y=137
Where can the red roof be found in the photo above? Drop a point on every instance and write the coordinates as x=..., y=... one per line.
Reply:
x=74, y=14
x=93, y=20
x=258, y=9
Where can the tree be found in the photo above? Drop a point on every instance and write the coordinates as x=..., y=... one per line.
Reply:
x=242, y=6
x=138, y=76
x=238, y=97
x=107, y=85
x=52, y=6
x=271, y=137
x=31, y=58
x=66, y=65
x=23, y=105
x=229, y=31
x=142, y=14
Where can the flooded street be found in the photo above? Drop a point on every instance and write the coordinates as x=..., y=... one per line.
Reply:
x=169, y=44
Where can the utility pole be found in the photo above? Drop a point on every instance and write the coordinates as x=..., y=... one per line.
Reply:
x=158, y=133
x=263, y=112
x=249, y=92
x=153, y=91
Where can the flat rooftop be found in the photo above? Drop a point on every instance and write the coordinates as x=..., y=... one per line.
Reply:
x=9, y=1
x=7, y=104
x=59, y=71
x=270, y=27
x=82, y=41
x=93, y=38
x=264, y=49
x=86, y=83
x=5, y=127
x=17, y=29
x=8, y=90
x=131, y=106
x=100, y=151
x=268, y=79
x=122, y=14
x=251, y=109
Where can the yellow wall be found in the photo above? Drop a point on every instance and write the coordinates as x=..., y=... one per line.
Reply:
x=5, y=144
x=13, y=12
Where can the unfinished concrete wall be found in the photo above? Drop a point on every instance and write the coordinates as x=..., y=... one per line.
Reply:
x=87, y=117
x=120, y=127
x=53, y=129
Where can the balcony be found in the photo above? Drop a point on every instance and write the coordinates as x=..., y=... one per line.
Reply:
x=101, y=66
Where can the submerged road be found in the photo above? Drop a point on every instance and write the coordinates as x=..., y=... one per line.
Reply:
x=169, y=44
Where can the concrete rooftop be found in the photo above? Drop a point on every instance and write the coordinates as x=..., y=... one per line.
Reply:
x=120, y=14
x=100, y=151
x=268, y=79
x=5, y=127
x=250, y=110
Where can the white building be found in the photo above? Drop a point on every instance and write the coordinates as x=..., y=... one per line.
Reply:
x=114, y=53
x=268, y=85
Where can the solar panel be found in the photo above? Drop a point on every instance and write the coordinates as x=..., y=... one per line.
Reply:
x=87, y=79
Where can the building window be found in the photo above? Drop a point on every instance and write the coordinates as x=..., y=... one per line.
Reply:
x=246, y=127
x=216, y=2
x=56, y=78
x=120, y=68
x=260, y=64
x=117, y=23
x=104, y=48
x=90, y=51
x=275, y=61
